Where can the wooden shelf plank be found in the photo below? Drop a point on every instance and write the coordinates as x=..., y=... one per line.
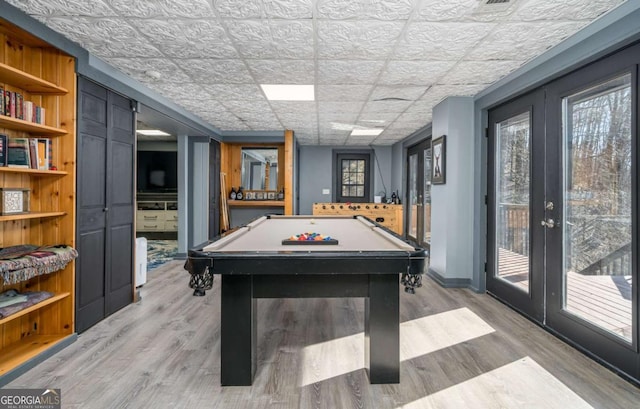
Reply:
x=256, y=203
x=34, y=172
x=25, y=349
x=29, y=82
x=20, y=125
x=32, y=215
x=34, y=307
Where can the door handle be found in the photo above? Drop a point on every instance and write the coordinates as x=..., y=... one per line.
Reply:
x=549, y=223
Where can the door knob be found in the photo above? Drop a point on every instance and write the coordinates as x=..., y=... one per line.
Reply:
x=548, y=223
x=548, y=205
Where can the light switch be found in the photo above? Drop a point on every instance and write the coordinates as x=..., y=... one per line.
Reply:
x=326, y=191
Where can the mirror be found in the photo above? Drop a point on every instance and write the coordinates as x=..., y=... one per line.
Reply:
x=260, y=168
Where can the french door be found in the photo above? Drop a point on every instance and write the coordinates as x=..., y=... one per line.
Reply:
x=562, y=207
x=418, y=207
x=515, y=201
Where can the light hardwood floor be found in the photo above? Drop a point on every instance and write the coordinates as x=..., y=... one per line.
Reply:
x=458, y=349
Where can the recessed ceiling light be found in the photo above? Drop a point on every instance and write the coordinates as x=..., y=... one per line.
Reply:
x=363, y=132
x=152, y=132
x=279, y=92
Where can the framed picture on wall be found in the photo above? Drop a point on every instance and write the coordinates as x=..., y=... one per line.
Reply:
x=438, y=160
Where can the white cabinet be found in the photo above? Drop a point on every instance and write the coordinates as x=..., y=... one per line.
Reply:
x=157, y=216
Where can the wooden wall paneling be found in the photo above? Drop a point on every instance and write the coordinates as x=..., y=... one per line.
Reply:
x=288, y=171
x=26, y=335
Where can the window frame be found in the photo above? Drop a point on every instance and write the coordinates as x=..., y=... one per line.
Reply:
x=338, y=157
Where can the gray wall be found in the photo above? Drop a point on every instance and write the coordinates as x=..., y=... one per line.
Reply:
x=316, y=173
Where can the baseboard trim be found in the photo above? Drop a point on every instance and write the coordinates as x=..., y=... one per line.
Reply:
x=450, y=282
x=31, y=363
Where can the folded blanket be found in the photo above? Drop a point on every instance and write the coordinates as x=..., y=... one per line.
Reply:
x=32, y=299
x=38, y=261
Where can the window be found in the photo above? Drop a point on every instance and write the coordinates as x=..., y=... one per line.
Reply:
x=352, y=177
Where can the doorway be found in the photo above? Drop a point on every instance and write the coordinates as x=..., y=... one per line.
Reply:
x=418, y=208
x=562, y=207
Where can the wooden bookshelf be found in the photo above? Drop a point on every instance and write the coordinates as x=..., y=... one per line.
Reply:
x=46, y=77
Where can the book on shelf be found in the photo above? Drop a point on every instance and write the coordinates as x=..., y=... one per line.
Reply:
x=3, y=149
x=19, y=106
x=43, y=153
x=2, y=97
x=33, y=153
x=18, y=154
x=7, y=102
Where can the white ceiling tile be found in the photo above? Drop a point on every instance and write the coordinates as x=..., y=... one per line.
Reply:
x=343, y=92
x=186, y=91
x=162, y=8
x=184, y=38
x=339, y=120
x=402, y=92
x=357, y=39
x=273, y=39
x=136, y=67
x=414, y=72
x=294, y=106
x=285, y=9
x=348, y=72
x=385, y=106
x=235, y=91
x=479, y=72
x=438, y=10
x=564, y=10
x=104, y=37
x=282, y=71
x=247, y=106
x=376, y=10
x=210, y=71
x=64, y=7
x=373, y=119
x=339, y=106
x=522, y=41
x=440, y=41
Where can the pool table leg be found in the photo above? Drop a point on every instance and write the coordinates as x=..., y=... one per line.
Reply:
x=382, y=329
x=238, y=331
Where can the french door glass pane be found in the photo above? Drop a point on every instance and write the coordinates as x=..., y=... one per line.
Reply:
x=413, y=196
x=513, y=179
x=427, y=196
x=597, y=190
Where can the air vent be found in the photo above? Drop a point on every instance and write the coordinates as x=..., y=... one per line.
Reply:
x=497, y=1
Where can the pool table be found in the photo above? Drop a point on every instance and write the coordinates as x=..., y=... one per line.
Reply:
x=363, y=260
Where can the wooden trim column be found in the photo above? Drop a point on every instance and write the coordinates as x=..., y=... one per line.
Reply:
x=288, y=172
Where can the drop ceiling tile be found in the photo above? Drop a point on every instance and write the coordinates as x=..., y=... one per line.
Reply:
x=337, y=107
x=377, y=118
x=564, y=10
x=205, y=108
x=293, y=106
x=235, y=91
x=272, y=39
x=182, y=38
x=244, y=106
x=285, y=9
x=479, y=72
x=136, y=68
x=413, y=117
x=162, y=8
x=410, y=93
x=64, y=7
x=386, y=106
x=440, y=41
x=104, y=37
x=282, y=71
x=343, y=92
x=339, y=120
x=414, y=72
x=348, y=72
x=209, y=71
x=522, y=41
x=438, y=10
x=186, y=91
x=374, y=10
x=357, y=39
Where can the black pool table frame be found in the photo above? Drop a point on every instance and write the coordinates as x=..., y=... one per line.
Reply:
x=247, y=276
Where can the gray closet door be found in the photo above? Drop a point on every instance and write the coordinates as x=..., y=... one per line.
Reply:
x=105, y=228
